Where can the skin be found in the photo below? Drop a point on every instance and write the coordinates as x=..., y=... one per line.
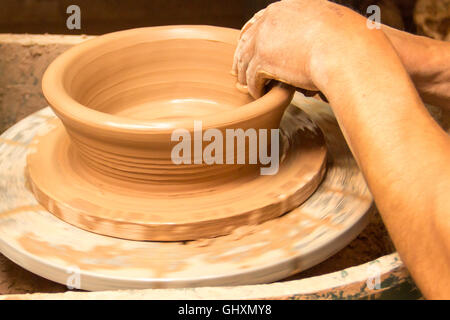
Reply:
x=402, y=152
x=427, y=62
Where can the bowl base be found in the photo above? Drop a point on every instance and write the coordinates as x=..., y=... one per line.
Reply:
x=101, y=203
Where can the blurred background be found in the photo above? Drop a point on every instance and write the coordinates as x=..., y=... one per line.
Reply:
x=428, y=17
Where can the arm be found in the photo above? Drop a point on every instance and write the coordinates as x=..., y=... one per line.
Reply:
x=428, y=63
x=403, y=154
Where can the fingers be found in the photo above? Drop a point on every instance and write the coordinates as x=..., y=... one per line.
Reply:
x=234, y=68
x=244, y=48
x=256, y=79
x=243, y=54
x=251, y=22
x=241, y=50
x=242, y=68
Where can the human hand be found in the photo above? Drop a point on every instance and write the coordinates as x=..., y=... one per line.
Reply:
x=292, y=41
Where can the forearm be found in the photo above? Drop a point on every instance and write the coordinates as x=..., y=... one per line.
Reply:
x=428, y=63
x=402, y=152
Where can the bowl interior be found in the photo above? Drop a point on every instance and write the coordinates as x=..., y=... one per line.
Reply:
x=157, y=80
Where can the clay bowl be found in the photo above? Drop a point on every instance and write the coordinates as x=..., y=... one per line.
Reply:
x=120, y=97
x=108, y=167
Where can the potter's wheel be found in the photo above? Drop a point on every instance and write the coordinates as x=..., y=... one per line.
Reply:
x=40, y=242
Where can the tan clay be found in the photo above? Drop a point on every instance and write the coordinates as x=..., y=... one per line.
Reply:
x=120, y=96
x=262, y=253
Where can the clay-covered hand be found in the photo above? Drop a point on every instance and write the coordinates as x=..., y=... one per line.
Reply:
x=288, y=40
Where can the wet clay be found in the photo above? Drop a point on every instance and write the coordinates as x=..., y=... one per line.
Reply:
x=121, y=96
x=329, y=219
x=107, y=167
x=109, y=204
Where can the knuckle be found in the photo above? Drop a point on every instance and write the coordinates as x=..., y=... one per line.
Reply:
x=263, y=55
x=273, y=7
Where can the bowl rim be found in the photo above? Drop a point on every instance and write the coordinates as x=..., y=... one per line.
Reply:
x=73, y=113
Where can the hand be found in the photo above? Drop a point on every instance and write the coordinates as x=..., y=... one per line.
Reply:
x=289, y=40
x=402, y=152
